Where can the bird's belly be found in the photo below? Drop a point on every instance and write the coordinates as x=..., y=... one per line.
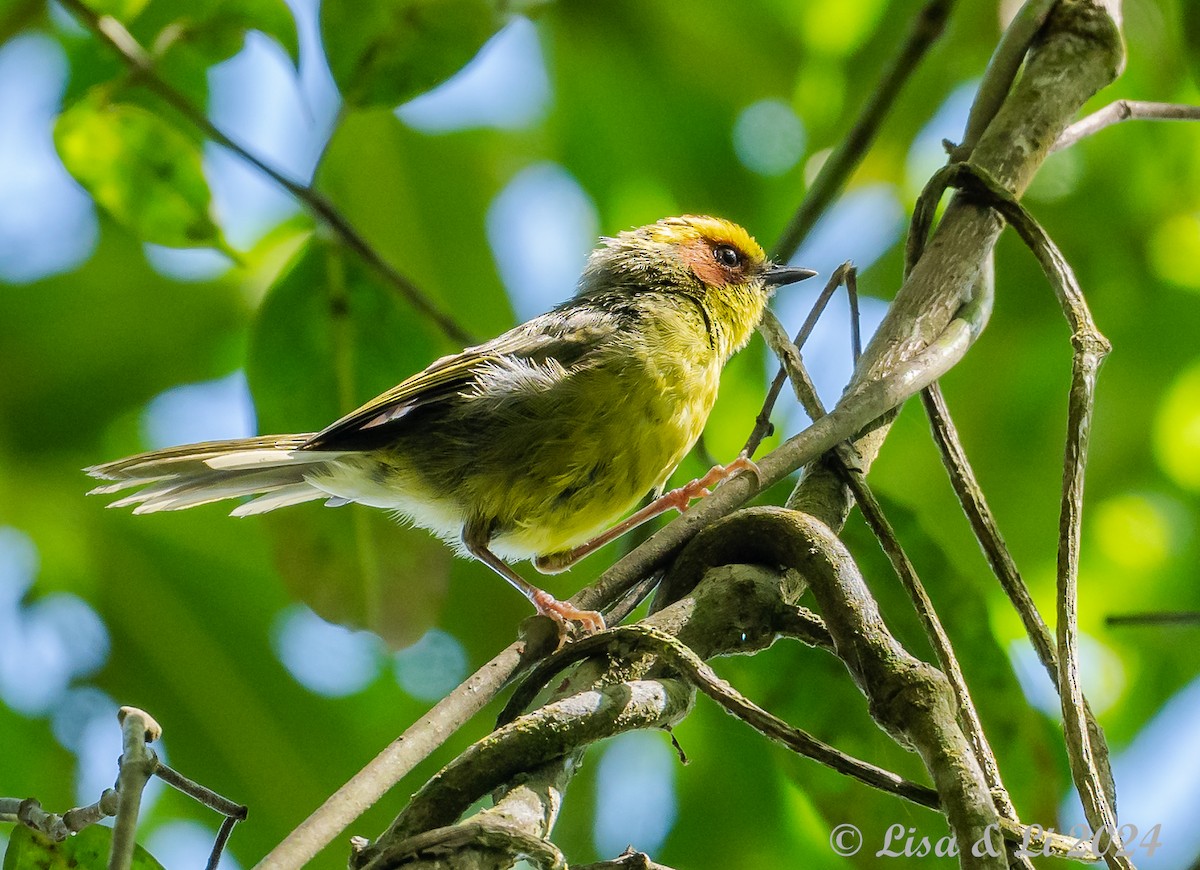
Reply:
x=621, y=451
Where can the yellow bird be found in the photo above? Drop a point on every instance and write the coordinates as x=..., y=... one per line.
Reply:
x=532, y=444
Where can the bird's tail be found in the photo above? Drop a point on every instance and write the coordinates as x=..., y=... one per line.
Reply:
x=276, y=468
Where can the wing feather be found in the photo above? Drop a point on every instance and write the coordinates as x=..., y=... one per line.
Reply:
x=558, y=340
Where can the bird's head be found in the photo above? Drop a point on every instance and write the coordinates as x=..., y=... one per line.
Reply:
x=711, y=260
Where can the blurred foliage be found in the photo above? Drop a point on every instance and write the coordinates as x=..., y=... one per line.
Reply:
x=140, y=169
x=644, y=100
x=355, y=567
x=28, y=850
x=384, y=53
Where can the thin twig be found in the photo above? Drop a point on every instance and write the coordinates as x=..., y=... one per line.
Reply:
x=1081, y=751
x=617, y=614
x=1176, y=617
x=141, y=63
x=214, y=857
x=762, y=422
x=983, y=523
x=138, y=761
x=200, y=793
x=1124, y=110
x=849, y=152
x=29, y=812
x=855, y=318
x=987, y=533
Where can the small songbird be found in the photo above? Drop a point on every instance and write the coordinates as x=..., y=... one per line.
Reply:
x=532, y=444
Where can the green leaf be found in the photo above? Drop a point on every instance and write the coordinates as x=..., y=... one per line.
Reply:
x=29, y=850
x=385, y=53
x=215, y=30
x=328, y=337
x=140, y=169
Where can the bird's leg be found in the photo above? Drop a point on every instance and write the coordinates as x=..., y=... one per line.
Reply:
x=678, y=499
x=590, y=621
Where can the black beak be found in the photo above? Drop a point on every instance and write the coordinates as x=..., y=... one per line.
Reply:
x=777, y=276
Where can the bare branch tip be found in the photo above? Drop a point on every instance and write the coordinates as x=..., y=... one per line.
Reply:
x=152, y=730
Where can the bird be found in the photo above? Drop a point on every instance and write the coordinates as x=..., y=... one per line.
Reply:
x=531, y=445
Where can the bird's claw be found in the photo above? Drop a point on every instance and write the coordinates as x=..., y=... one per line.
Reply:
x=567, y=615
x=681, y=498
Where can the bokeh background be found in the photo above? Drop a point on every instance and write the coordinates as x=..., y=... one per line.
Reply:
x=281, y=653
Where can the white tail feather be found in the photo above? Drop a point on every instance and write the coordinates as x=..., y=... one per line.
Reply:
x=110, y=488
x=151, y=492
x=266, y=459
x=275, y=468
x=288, y=495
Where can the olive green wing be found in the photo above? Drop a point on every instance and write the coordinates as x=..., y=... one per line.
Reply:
x=567, y=335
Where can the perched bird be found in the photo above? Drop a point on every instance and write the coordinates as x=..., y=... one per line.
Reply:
x=530, y=445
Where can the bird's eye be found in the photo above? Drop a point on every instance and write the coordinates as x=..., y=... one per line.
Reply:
x=727, y=256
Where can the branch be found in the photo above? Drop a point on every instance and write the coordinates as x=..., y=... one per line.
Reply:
x=201, y=794
x=137, y=765
x=466, y=845
x=222, y=838
x=428, y=733
x=845, y=461
x=910, y=699
x=936, y=287
x=629, y=860
x=424, y=736
x=447, y=716
x=987, y=533
x=1088, y=756
x=1185, y=617
x=550, y=732
x=636, y=639
x=983, y=523
x=1001, y=72
x=732, y=611
x=404, y=753
x=29, y=813
x=843, y=273
x=141, y=64
x=1124, y=110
